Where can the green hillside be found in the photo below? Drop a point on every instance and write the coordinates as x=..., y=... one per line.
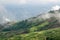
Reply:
x=25, y=25
x=43, y=30
x=35, y=28
x=51, y=34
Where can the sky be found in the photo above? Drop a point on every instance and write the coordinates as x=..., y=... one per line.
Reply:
x=28, y=1
x=23, y=9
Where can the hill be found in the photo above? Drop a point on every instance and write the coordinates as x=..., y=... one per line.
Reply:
x=42, y=27
x=51, y=34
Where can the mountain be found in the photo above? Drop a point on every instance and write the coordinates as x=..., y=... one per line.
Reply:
x=32, y=27
x=49, y=18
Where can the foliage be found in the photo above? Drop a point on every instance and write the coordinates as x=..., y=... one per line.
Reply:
x=51, y=34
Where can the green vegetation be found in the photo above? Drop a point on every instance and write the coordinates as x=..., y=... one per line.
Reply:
x=51, y=34
x=51, y=12
x=35, y=29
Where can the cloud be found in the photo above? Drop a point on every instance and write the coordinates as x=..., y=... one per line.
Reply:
x=13, y=1
x=5, y=13
x=23, y=1
x=6, y=19
x=55, y=7
x=27, y=1
x=44, y=1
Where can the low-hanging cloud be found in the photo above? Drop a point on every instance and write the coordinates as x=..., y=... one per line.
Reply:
x=5, y=15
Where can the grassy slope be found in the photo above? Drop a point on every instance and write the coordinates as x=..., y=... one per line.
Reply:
x=51, y=34
x=36, y=31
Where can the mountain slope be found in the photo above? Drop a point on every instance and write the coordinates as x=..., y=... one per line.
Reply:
x=41, y=19
x=51, y=34
x=33, y=26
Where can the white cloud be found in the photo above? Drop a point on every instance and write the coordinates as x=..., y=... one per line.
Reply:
x=55, y=7
x=5, y=19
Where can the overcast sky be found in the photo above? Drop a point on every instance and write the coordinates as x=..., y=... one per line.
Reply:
x=28, y=1
x=6, y=7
